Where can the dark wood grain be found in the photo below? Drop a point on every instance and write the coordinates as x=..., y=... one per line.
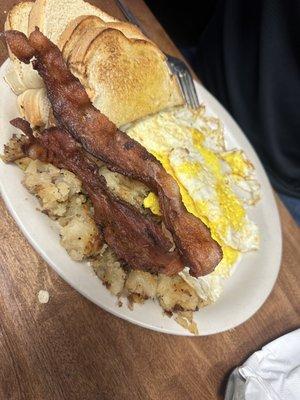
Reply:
x=71, y=349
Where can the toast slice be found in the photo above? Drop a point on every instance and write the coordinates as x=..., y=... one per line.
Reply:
x=85, y=30
x=22, y=76
x=12, y=78
x=53, y=16
x=129, y=30
x=127, y=79
x=80, y=33
x=77, y=33
x=35, y=107
x=17, y=17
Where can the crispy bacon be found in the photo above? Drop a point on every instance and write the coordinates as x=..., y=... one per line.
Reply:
x=99, y=136
x=135, y=239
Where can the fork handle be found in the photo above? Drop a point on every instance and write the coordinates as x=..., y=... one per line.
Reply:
x=129, y=16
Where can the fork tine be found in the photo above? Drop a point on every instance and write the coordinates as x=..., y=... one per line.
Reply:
x=184, y=89
x=194, y=92
x=187, y=89
x=191, y=90
x=185, y=80
x=187, y=83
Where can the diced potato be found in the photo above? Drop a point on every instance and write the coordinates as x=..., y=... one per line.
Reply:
x=53, y=187
x=141, y=284
x=80, y=237
x=109, y=270
x=61, y=197
x=174, y=294
x=13, y=148
x=125, y=188
x=77, y=206
x=59, y=192
x=23, y=163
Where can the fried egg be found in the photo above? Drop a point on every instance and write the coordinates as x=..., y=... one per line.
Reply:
x=217, y=185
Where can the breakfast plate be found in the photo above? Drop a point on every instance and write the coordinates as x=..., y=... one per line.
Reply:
x=244, y=292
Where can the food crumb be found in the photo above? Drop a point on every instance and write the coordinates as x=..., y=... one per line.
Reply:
x=185, y=319
x=43, y=296
x=120, y=303
x=130, y=304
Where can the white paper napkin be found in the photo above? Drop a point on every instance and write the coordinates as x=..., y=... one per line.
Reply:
x=273, y=373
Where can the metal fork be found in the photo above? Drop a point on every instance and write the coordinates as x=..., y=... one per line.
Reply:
x=177, y=66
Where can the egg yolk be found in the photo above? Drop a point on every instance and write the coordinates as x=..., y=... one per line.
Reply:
x=239, y=165
x=151, y=201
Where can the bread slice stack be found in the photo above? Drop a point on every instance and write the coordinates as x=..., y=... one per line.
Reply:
x=125, y=74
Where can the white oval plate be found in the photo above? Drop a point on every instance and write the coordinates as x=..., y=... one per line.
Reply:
x=245, y=291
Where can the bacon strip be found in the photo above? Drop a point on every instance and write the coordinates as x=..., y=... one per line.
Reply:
x=99, y=136
x=135, y=239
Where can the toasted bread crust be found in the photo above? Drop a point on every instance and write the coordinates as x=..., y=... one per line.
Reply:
x=132, y=78
x=34, y=106
x=16, y=17
x=52, y=16
x=85, y=27
x=37, y=16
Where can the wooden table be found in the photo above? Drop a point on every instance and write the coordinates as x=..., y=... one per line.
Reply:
x=71, y=349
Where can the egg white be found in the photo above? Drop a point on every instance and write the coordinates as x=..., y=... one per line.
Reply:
x=217, y=185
